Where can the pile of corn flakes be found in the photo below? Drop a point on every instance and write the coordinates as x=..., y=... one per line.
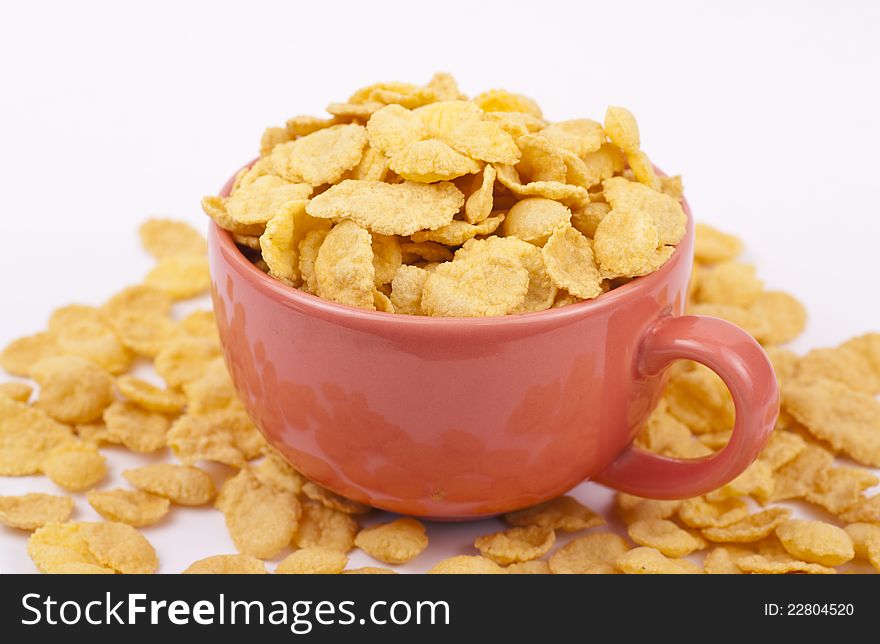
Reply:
x=415, y=200
x=75, y=394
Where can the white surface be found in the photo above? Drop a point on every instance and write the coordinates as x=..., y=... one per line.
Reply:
x=111, y=112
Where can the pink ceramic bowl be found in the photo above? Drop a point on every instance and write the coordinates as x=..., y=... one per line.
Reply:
x=463, y=417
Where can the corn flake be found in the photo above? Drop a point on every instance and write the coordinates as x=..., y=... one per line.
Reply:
x=573, y=196
x=832, y=412
x=72, y=390
x=261, y=519
x=815, y=542
x=516, y=544
x=752, y=528
x=148, y=396
x=17, y=391
x=711, y=246
x=722, y=560
x=533, y=567
x=227, y=565
x=313, y=561
x=164, y=237
x=397, y=542
x=466, y=565
x=322, y=156
x=587, y=218
x=591, y=554
x=33, y=511
x=344, y=269
x=393, y=127
x=74, y=466
x=120, y=547
x=406, y=290
x=627, y=244
x=185, y=359
x=665, y=536
x=633, y=508
x=478, y=286
x=534, y=220
x=785, y=316
x=325, y=527
x=308, y=253
x=500, y=100
x=650, y=561
x=700, y=512
x=579, y=136
x=846, y=364
x=478, y=205
x=622, y=128
x=840, y=488
x=138, y=429
x=134, y=507
x=863, y=536
x=332, y=500
x=562, y=513
x=181, y=276
x=456, y=232
x=665, y=211
x=389, y=209
x=570, y=263
x=180, y=484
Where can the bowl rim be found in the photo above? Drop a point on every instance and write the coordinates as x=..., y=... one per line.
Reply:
x=229, y=252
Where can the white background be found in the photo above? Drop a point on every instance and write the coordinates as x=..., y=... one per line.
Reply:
x=111, y=111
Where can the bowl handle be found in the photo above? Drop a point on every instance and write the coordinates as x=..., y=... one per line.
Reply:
x=743, y=366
